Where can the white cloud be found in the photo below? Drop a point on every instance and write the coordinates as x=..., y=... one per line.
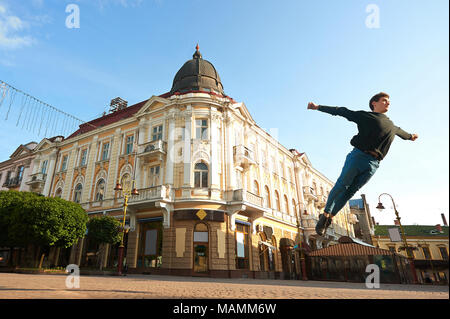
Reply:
x=9, y=27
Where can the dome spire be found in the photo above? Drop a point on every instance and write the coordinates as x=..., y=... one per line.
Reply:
x=197, y=54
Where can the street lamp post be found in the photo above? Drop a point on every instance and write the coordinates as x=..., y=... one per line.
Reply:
x=405, y=243
x=127, y=191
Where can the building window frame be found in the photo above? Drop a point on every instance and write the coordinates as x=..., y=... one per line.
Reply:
x=201, y=175
x=201, y=129
x=157, y=132
x=83, y=157
x=100, y=188
x=77, y=192
x=105, y=151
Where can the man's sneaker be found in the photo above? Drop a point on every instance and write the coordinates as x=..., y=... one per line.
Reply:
x=322, y=223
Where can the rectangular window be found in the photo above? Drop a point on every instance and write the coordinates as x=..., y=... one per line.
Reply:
x=129, y=146
x=44, y=167
x=64, y=163
x=105, y=152
x=83, y=157
x=201, y=179
x=154, y=176
x=157, y=133
x=20, y=172
x=201, y=129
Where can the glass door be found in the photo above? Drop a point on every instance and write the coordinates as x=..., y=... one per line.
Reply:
x=201, y=248
x=200, y=257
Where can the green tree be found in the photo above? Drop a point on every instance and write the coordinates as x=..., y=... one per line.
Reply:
x=104, y=230
x=27, y=218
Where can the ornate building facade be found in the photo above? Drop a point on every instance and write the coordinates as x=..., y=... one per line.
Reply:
x=218, y=195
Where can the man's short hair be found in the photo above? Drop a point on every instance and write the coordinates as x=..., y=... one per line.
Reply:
x=376, y=98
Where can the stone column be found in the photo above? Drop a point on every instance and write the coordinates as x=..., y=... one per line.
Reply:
x=50, y=173
x=92, y=158
x=214, y=164
x=187, y=152
x=113, y=163
x=229, y=134
x=170, y=148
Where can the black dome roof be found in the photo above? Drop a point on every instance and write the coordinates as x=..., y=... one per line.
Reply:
x=197, y=74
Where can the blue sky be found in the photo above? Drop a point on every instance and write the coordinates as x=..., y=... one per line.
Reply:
x=273, y=56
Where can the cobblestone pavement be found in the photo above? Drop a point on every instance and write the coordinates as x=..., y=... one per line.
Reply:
x=21, y=286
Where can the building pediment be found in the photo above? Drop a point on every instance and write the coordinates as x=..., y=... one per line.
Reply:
x=243, y=111
x=20, y=151
x=154, y=103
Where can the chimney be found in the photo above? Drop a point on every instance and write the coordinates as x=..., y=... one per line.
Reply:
x=439, y=228
x=444, y=220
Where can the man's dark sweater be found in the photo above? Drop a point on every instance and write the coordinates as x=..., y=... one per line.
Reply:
x=376, y=130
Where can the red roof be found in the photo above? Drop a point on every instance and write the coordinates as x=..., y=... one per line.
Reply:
x=108, y=119
x=125, y=113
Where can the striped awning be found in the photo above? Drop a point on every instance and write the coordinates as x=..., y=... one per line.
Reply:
x=349, y=249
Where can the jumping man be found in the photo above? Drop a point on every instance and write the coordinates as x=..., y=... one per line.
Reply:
x=376, y=133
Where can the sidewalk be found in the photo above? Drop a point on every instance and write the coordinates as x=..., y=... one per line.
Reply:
x=26, y=286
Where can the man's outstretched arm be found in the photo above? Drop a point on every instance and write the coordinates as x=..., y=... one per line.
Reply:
x=333, y=110
x=406, y=136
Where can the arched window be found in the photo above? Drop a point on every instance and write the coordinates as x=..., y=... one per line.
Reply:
x=77, y=193
x=58, y=193
x=100, y=190
x=277, y=201
x=255, y=188
x=201, y=175
x=266, y=197
x=286, y=205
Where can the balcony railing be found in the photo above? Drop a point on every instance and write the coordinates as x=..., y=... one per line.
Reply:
x=150, y=194
x=12, y=182
x=153, y=148
x=245, y=196
x=37, y=178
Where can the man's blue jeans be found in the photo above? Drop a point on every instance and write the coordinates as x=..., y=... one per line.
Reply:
x=359, y=167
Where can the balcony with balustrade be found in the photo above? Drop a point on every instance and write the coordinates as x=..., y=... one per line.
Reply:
x=309, y=193
x=152, y=150
x=37, y=182
x=243, y=156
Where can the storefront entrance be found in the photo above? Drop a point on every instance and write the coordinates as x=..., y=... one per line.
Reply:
x=201, y=248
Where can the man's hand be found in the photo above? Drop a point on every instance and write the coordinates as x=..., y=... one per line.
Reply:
x=414, y=137
x=312, y=106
